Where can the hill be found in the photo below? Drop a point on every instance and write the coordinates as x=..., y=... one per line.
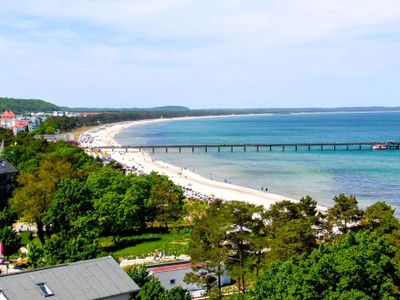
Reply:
x=26, y=105
x=133, y=109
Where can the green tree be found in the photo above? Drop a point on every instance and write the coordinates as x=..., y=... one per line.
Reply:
x=358, y=266
x=177, y=293
x=116, y=214
x=240, y=239
x=10, y=239
x=380, y=217
x=344, y=213
x=167, y=200
x=152, y=290
x=207, y=247
x=7, y=136
x=73, y=200
x=37, y=189
x=293, y=238
x=8, y=216
x=139, y=274
x=57, y=250
x=194, y=209
x=24, y=158
x=290, y=228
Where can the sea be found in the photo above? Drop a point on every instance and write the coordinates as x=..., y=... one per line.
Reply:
x=370, y=175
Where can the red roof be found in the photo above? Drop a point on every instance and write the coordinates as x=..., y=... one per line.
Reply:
x=8, y=114
x=170, y=268
x=21, y=124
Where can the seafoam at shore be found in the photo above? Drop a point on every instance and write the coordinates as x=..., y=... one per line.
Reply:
x=141, y=161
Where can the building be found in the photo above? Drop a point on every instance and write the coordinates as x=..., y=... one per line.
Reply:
x=18, y=123
x=7, y=180
x=64, y=137
x=171, y=275
x=99, y=278
x=8, y=119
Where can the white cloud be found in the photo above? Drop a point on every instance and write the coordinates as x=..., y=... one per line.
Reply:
x=225, y=46
x=274, y=21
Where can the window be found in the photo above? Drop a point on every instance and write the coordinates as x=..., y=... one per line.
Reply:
x=2, y=296
x=45, y=289
x=172, y=281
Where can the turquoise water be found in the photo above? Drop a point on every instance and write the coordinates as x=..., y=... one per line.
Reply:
x=369, y=175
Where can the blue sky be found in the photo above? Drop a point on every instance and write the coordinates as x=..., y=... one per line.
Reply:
x=202, y=53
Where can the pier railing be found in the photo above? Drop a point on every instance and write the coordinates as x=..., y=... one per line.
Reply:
x=262, y=147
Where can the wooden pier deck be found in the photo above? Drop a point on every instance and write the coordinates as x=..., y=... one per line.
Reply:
x=261, y=147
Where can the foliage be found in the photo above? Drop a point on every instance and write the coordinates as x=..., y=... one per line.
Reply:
x=70, y=213
x=166, y=200
x=194, y=209
x=26, y=105
x=57, y=250
x=37, y=189
x=7, y=136
x=207, y=247
x=344, y=213
x=10, y=239
x=152, y=290
x=8, y=216
x=26, y=156
x=176, y=293
x=49, y=126
x=139, y=274
x=119, y=201
x=290, y=228
x=360, y=266
x=379, y=217
x=239, y=240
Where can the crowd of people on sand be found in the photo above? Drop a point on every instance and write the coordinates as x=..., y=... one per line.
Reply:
x=88, y=138
x=94, y=138
x=191, y=194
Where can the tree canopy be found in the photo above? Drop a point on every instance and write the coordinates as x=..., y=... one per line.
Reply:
x=358, y=266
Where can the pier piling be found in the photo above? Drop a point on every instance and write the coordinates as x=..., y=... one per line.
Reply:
x=294, y=146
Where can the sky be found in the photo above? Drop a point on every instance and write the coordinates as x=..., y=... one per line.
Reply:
x=201, y=53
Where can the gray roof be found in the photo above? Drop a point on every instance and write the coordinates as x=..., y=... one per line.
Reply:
x=6, y=167
x=90, y=279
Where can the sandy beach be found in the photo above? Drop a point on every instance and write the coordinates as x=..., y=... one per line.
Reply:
x=143, y=163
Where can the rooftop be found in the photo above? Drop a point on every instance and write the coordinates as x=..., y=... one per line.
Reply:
x=90, y=279
x=167, y=268
x=6, y=167
x=8, y=114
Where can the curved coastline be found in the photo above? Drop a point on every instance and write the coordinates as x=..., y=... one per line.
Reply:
x=142, y=162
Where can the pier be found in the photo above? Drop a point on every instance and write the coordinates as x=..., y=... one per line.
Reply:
x=262, y=147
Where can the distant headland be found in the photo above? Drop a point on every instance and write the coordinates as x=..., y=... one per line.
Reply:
x=38, y=105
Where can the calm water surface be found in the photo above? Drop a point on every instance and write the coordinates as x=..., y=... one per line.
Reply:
x=369, y=175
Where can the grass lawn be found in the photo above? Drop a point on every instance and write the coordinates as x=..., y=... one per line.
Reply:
x=142, y=245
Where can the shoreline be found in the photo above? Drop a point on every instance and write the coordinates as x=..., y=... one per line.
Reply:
x=192, y=182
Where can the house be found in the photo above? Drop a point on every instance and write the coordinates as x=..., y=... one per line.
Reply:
x=18, y=123
x=8, y=119
x=171, y=275
x=7, y=180
x=99, y=278
x=34, y=123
